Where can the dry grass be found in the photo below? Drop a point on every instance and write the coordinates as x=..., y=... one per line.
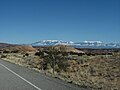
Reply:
x=97, y=72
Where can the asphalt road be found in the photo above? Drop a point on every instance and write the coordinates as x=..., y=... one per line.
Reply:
x=14, y=77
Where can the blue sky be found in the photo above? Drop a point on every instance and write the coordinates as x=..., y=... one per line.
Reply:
x=27, y=21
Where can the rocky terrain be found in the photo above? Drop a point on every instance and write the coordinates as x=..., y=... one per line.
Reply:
x=97, y=71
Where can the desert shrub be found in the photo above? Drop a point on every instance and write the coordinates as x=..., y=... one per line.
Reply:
x=39, y=53
x=26, y=54
x=82, y=60
x=3, y=56
x=15, y=51
x=63, y=65
x=45, y=65
x=57, y=69
x=55, y=60
x=6, y=52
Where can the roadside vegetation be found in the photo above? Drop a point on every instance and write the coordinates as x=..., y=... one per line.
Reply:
x=96, y=71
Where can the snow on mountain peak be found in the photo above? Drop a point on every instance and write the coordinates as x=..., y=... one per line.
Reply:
x=50, y=41
x=92, y=42
x=84, y=44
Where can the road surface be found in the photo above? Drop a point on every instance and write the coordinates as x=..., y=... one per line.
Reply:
x=15, y=77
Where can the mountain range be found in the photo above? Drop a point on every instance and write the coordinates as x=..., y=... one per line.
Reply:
x=84, y=44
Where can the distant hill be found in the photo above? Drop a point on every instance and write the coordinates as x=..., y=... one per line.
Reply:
x=24, y=48
x=16, y=48
x=20, y=49
x=3, y=45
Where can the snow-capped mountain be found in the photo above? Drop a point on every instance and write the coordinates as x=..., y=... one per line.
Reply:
x=84, y=44
x=51, y=43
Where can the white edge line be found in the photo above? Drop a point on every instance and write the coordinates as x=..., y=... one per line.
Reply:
x=20, y=77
